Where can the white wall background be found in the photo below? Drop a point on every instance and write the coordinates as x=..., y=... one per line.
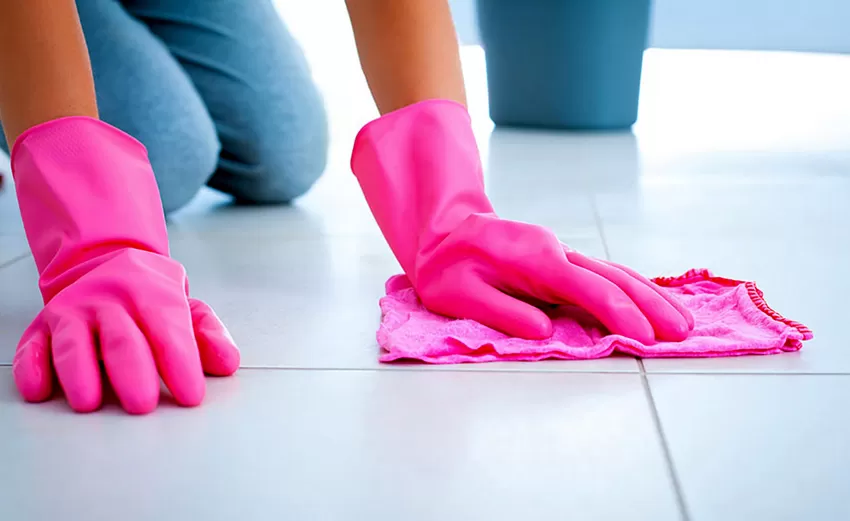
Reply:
x=792, y=25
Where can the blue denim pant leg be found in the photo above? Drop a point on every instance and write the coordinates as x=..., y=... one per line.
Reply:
x=256, y=84
x=217, y=90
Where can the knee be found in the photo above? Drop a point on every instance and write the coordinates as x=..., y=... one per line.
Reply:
x=282, y=155
x=294, y=161
x=184, y=156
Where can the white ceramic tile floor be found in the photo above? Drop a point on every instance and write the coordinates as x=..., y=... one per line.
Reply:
x=271, y=444
x=739, y=163
x=767, y=447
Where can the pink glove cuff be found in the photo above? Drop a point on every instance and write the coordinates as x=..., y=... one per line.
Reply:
x=420, y=170
x=90, y=196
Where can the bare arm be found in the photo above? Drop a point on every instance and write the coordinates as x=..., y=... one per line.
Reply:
x=45, y=71
x=408, y=50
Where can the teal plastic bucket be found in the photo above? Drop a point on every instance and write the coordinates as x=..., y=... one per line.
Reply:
x=573, y=64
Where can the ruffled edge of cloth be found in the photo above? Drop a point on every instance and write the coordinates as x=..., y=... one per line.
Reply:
x=755, y=294
x=754, y=306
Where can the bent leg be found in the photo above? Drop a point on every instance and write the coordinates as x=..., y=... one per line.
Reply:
x=256, y=84
x=144, y=91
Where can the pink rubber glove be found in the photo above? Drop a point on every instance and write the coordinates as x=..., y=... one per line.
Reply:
x=420, y=171
x=112, y=294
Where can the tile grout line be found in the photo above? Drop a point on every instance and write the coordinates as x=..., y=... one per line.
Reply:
x=597, y=217
x=744, y=373
x=517, y=371
x=13, y=260
x=665, y=448
x=421, y=371
x=433, y=369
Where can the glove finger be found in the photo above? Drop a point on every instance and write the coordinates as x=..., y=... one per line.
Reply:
x=169, y=331
x=218, y=352
x=75, y=361
x=128, y=361
x=676, y=303
x=668, y=323
x=494, y=309
x=600, y=297
x=32, y=368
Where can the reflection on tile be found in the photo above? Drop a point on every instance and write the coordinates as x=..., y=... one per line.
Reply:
x=561, y=162
x=758, y=447
x=348, y=445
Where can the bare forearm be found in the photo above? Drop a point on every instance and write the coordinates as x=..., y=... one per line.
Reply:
x=45, y=71
x=408, y=50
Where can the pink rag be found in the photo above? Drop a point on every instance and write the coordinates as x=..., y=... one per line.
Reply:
x=731, y=319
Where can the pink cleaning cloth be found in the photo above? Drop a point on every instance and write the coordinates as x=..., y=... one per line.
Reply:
x=731, y=319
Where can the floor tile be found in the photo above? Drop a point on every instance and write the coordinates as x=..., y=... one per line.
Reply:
x=545, y=178
x=18, y=306
x=730, y=208
x=758, y=447
x=289, y=303
x=334, y=207
x=12, y=248
x=13, y=243
x=348, y=445
x=10, y=217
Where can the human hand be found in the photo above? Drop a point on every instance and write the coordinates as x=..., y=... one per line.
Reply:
x=498, y=272
x=131, y=312
x=112, y=294
x=420, y=171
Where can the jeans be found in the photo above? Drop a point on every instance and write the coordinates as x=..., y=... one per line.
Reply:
x=217, y=90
